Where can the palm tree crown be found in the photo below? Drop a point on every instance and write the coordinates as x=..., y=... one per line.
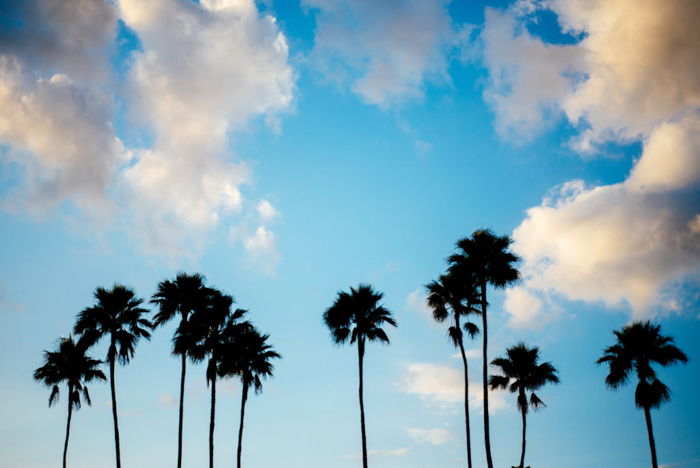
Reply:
x=522, y=373
x=639, y=345
x=249, y=358
x=118, y=314
x=488, y=257
x=71, y=365
x=450, y=296
x=357, y=315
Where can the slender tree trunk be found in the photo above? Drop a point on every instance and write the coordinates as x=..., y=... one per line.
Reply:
x=114, y=411
x=244, y=398
x=70, y=413
x=650, y=431
x=466, y=395
x=182, y=410
x=523, y=410
x=484, y=330
x=361, y=355
x=211, y=422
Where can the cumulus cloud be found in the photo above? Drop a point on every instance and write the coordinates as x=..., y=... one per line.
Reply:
x=435, y=436
x=203, y=71
x=634, y=68
x=236, y=70
x=632, y=75
x=387, y=50
x=60, y=133
x=444, y=386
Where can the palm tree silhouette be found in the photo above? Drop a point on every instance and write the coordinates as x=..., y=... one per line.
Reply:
x=522, y=373
x=358, y=317
x=485, y=258
x=71, y=365
x=248, y=357
x=638, y=346
x=181, y=297
x=452, y=297
x=212, y=328
x=118, y=314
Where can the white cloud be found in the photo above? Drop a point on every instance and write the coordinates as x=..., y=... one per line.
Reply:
x=261, y=245
x=167, y=400
x=236, y=70
x=632, y=75
x=380, y=454
x=388, y=50
x=435, y=436
x=266, y=211
x=444, y=385
x=60, y=133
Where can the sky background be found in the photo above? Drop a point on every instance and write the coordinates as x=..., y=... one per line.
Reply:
x=289, y=149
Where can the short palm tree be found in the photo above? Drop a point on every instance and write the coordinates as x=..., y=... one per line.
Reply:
x=522, y=373
x=249, y=358
x=358, y=316
x=71, y=365
x=638, y=346
x=212, y=328
x=451, y=298
x=180, y=298
x=485, y=258
x=118, y=315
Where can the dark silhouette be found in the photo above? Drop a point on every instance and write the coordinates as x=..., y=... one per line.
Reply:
x=358, y=317
x=638, y=346
x=180, y=297
x=249, y=358
x=451, y=297
x=213, y=327
x=118, y=314
x=484, y=259
x=521, y=374
x=70, y=365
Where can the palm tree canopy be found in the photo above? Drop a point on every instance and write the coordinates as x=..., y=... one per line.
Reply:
x=211, y=327
x=638, y=346
x=488, y=257
x=181, y=296
x=71, y=365
x=522, y=372
x=118, y=313
x=248, y=357
x=358, y=315
x=450, y=296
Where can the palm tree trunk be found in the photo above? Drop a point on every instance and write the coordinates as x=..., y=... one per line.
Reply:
x=211, y=422
x=484, y=329
x=182, y=410
x=244, y=398
x=114, y=412
x=70, y=413
x=523, y=411
x=466, y=396
x=361, y=355
x=650, y=431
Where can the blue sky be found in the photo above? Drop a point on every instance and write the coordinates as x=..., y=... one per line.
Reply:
x=289, y=149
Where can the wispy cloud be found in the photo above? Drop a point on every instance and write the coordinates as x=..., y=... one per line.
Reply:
x=435, y=436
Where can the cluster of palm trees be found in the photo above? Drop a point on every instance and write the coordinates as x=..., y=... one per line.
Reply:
x=208, y=329
x=481, y=260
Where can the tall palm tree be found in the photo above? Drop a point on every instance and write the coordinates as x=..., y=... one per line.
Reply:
x=248, y=357
x=71, y=365
x=118, y=315
x=485, y=258
x=180, y=297
x=638, y=346
x=451, y=297
x=357, y=316
x=212, y=328
x=522, y=373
